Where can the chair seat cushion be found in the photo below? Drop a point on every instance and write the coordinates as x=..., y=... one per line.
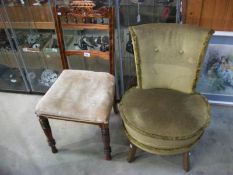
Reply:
x=79, y=96
x=165, y=114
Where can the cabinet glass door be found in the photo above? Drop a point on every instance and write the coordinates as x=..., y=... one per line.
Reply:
x=12, y=76
x=136, y=12
x=32, y=25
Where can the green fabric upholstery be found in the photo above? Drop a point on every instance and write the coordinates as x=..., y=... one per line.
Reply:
x=159, y=146
x=168, y=56
x=163, y=114
x=167, y=120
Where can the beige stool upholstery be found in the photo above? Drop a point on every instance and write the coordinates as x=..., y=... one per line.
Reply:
x=79, y=96
x=163, y=114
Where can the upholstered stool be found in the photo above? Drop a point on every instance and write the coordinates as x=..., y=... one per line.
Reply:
x=79, y=96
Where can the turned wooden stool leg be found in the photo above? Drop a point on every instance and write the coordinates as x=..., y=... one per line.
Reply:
x=106, y=141
x=47, y=130
x=186, y=165
x=131, y=153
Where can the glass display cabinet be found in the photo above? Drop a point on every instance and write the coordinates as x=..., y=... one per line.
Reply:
x=12, y=77
x=30, y=28
x=136, y=12
x=31, y=54
x=29, y=42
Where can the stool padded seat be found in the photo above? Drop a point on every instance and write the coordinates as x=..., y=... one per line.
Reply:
x=77, y=95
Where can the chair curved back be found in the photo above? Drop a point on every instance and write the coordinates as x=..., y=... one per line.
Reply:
x=169, y=55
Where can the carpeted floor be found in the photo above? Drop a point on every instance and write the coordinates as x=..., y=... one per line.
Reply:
x=24, y=150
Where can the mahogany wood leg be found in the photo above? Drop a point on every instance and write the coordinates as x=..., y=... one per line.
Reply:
x=186, y=165
x=106, y=141
x=47, y=130
x=131, y=153
x=115, y=107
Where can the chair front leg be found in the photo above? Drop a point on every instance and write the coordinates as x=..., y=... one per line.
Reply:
x=106, y=141
x=186, y=164
x=131, y=153
x=115, y=106
x=44, y=122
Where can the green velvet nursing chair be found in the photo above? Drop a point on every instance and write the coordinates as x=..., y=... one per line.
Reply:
x=163, y=114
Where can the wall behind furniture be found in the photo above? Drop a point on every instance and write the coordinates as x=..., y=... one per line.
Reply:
x=215, y=14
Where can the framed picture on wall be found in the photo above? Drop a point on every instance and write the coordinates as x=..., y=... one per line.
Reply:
x=216, y=77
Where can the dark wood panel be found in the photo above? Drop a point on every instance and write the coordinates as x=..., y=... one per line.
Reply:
x=193, y=11
x=219, y=17
x=215, y=14
x=207, y=13
x=41, y=13
x=26, y=25
x=29, y=17
x=229, y=16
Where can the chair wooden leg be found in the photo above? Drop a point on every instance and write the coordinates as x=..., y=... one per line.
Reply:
x=131, y=153
x=106, y=141
x=47, y=130
x=186, y=165
x=115, y=107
